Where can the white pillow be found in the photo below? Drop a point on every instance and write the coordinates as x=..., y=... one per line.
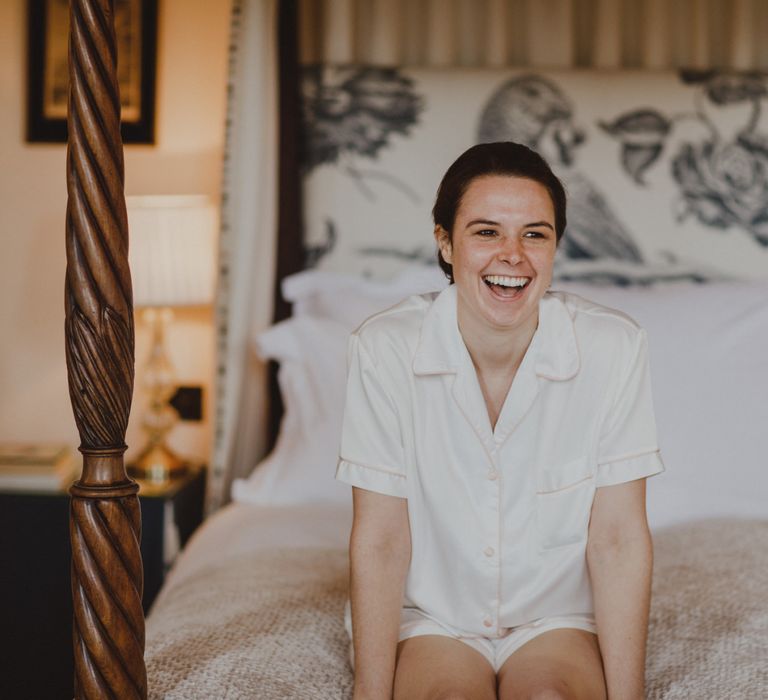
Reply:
x=709, y=367
x=312, y=378
x=311, y=349
x=350, y=299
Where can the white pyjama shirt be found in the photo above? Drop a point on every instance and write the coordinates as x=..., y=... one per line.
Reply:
x=498, y=517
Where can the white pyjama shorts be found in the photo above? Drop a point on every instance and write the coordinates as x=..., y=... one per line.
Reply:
x=496, y=650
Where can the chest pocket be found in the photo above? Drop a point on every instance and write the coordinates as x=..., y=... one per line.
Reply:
x=564, y=497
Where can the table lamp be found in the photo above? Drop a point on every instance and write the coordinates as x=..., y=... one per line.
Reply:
x=171, y=254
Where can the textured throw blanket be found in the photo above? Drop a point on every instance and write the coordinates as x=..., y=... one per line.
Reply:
x=269, y=625
x=708, y=634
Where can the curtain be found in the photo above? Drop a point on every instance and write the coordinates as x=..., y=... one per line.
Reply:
x=652, y=34
x=247, y=245
x=647, y=34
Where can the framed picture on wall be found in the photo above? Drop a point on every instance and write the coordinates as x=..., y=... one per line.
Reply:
x=48, y=72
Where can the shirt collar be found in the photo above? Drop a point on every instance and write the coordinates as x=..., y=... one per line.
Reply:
x=439, y=350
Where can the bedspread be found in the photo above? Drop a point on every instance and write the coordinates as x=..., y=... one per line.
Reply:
x=264, y=625
x=268, y=624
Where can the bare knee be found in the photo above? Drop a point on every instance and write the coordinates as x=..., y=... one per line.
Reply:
x=549, y=690
x=450, y=694
x=446, y=693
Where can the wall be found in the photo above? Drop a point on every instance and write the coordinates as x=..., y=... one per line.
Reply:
x=191, y=95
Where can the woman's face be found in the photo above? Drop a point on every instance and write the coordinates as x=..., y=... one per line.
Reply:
x=502, y=253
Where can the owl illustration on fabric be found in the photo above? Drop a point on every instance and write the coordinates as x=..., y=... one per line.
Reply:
x=532, y=110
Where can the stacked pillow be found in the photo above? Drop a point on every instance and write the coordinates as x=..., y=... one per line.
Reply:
x=709, y=370
x=709, y=365
x=311, y=348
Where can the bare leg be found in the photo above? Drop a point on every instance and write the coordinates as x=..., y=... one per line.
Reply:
x=431, y=667
x=561, y=663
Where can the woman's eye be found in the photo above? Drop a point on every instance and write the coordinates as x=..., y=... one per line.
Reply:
x=534, y=234
x=486, y=232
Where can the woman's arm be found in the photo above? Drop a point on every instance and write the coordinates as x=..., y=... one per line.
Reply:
x=379, y=552
x=620, y=561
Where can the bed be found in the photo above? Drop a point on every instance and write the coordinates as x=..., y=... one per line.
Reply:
x=667, y=223
x=253, y=607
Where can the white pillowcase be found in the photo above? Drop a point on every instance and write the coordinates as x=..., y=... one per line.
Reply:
x=349, y=299
x=709, y=367
x=311, y=349
x=312, y=377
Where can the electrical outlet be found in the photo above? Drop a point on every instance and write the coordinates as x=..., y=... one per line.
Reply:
x=188, y=402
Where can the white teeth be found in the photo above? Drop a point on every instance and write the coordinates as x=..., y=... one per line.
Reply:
x=505, y=281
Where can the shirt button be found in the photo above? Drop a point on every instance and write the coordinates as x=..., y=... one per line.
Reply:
x=488, y=622
x=493, y=474
x=489, y=551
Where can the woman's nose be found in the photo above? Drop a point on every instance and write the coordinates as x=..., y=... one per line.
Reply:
x=511, y=250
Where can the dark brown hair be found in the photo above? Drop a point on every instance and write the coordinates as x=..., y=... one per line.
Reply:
x=500, y=158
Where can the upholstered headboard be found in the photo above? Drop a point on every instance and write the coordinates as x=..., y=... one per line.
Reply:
x=667, y=173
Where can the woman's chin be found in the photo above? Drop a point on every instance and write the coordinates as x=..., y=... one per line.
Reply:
x=505, y=311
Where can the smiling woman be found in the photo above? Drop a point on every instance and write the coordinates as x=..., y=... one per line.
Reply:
x=499, y=216
x=497, y=437
x=502, y=251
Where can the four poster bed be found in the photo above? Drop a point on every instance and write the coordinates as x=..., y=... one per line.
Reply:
x=253, y=607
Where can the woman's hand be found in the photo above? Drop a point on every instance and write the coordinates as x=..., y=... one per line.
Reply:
x=379, y=553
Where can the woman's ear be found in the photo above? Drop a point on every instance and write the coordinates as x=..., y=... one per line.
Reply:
x=443, y=239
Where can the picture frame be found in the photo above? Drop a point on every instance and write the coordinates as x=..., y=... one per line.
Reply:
x=48, y=72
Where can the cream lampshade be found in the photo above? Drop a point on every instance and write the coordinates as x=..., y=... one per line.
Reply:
x=172, y=259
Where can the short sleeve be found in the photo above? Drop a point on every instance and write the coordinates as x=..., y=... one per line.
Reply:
x=371, y=455
x=628, y=446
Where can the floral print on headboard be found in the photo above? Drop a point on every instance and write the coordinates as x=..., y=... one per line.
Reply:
x=376, y=142
x=354, y=109
x=722, y=175
x=348, y=113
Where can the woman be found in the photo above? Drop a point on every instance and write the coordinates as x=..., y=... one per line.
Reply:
x=498, y=437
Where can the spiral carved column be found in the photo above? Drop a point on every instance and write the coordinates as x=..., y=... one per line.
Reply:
x=105, y=520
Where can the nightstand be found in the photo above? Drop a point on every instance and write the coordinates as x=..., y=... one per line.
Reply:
x=36, y=659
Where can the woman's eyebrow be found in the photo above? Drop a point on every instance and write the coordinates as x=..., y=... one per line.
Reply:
x=488, y=222
x=540, y=223
x=485, y=222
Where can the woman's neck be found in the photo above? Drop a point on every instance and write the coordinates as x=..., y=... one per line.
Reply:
x=496, y=355
x=496, y=350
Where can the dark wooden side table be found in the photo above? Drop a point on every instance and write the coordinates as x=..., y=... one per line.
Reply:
x=36, y=659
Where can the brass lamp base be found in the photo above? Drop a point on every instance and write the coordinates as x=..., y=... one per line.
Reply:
x=157, y=464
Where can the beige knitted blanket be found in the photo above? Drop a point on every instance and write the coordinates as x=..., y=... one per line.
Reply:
x=708, y=635
x=269, y=625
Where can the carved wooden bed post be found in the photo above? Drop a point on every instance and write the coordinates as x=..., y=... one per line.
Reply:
x=105, y=520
